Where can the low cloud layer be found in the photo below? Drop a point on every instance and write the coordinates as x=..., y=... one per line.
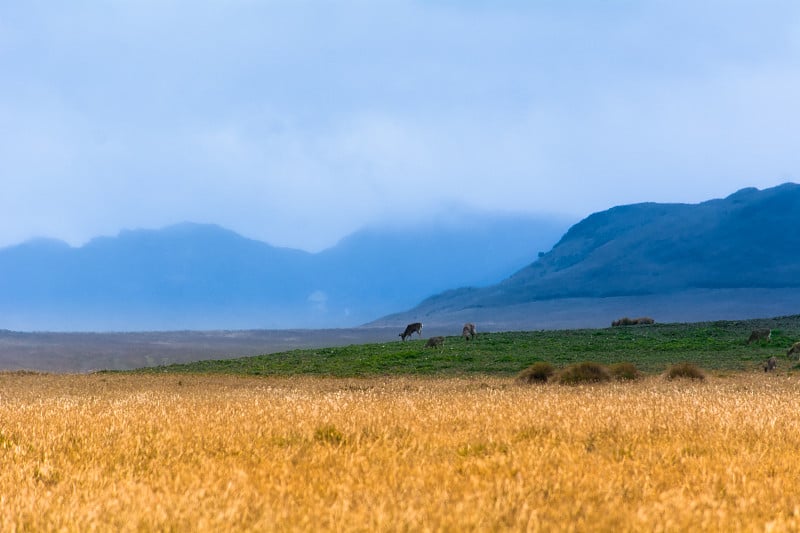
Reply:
x=299, y=122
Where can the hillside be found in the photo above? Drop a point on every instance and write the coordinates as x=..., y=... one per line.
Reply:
x=743, y=242
x=195, y=276
x=719, y=345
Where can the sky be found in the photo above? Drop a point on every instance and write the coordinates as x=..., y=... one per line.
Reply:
x=298, y=122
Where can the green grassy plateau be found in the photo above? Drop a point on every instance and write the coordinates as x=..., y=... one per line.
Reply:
x=718, y=346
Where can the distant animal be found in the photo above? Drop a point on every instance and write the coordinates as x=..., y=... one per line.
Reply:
x=794, y=349
x=771, y=364
x=625, y=321
x=468, y=331
x=760, y=334
x=416, y=327
x=435, y=342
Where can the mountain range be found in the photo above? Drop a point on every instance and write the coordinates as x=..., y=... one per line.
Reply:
x=680, y=260
x=725, y=258
x=201, y=276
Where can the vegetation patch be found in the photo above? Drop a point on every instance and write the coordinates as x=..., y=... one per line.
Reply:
x=624, y=371
x=586, y=372
x=328, y=434
x=685, y=371
x=717, y=346
x=226, y=453
x=537, y=373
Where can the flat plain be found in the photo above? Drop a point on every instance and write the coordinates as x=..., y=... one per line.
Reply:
x=393, y=436
x=194, y=452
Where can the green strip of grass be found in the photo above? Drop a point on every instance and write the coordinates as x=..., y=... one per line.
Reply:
x=711, y=345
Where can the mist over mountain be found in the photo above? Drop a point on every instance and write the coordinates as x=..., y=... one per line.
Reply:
x=746, y=241
x=198, y=276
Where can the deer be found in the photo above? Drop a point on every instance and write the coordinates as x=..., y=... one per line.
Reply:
x=468, y=331
x=794, y=349
x=416, y=327
x=771, y=364
x=760, y=334
x=435, y=342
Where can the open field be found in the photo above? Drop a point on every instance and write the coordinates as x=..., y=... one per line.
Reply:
x=86, y=352
x=188, y=452
x=127, y=350
x=719, y=346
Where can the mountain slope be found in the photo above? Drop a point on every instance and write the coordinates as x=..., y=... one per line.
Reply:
x=746, y=240
x=193, y=276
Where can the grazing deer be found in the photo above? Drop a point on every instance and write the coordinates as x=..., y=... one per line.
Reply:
x=794, y=349
x=416, y=327
x=435, y=342
x=468, y=331
x=760, y=334
x=771, y=364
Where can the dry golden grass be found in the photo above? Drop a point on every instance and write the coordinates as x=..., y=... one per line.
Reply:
x=189, y=453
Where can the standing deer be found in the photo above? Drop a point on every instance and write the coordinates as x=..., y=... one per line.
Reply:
x=771, y=364
x=794, y=349
x=416, y=327
x=435, y=342
x=760, y=334
x=468, y=331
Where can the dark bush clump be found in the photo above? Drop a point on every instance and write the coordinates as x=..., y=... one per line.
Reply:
x=685, y=370
x=624, y=371
x=537, y=373
x=584, y=373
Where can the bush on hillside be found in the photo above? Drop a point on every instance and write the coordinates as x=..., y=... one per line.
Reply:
x=537, y=373
x=685, y=371
x=587, y=372
x=624, y=371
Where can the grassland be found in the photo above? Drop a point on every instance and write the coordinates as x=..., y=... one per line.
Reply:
x=396, y=437
x=188, y=452
x=717, y=346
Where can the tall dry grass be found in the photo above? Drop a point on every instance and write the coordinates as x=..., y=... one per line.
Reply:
x=191, y=453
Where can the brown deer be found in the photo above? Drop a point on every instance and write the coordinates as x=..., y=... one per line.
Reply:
x=760, y=334
x=435, y=342
x=771, y=364
x=794, y=349
x=416, y=327
x=468, y=331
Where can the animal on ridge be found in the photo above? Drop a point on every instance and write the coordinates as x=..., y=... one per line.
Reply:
x=468, y=331
x=794, y=349
x=435, y=342
x=415, y=327
x=760, y=334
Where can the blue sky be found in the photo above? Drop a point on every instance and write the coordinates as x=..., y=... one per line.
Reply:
x=297, y=122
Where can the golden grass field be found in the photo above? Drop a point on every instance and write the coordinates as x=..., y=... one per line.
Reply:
x=194, y=453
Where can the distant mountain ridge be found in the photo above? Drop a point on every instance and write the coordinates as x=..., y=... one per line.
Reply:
x=202, y=276
x=747, y=240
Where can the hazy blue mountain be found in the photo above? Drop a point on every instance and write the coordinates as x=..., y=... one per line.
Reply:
x=747, y=240
x=195, y=276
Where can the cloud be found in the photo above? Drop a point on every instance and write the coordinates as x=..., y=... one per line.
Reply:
x=299, y=122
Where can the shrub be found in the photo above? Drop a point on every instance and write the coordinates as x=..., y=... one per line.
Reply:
x=624, y=371
x=328, y=434
x=685, y=370
x=584, y=373
x=537, y=373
